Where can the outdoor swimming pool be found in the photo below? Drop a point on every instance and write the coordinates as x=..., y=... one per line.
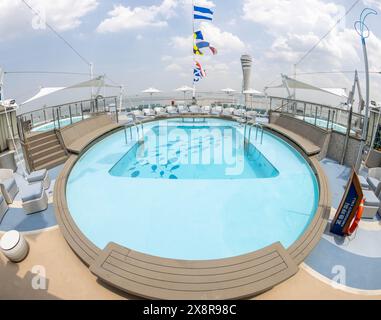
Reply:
x=193, y=191
x=54, y=124
x=324, y=123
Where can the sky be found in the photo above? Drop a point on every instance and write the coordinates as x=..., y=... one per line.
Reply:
x=144, y=43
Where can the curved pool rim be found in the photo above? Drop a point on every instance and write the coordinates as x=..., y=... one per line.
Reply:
x=88, y=252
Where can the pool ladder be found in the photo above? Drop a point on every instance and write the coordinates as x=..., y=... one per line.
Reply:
x=139, y=128
x=259, y=130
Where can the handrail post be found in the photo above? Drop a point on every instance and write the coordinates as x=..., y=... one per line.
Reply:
x=329, y=117
x=316, y=112
x=54, y=118
x=116, y=111
x=83, y=117
x=70, y=114
x=58, y=117
x=304, y=111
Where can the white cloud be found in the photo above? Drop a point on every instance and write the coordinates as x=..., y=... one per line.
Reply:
x=125, y=18
x=373, y=3
x=297, y=28
x=174, y=67
x=16, y=18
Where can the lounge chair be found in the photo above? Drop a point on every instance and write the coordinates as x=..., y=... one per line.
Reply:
x=3, y=207
x=149, y=112
x=34, y=198
x=206, y=110
x=183, y=109
x=251, y=115
x=160, y=111
x=195, y=110
x=39, y=176
x=374, y=180
x=139, y=115
x=216, y=111
x=8, y=185
x=172, y=110
x=372, y=204
x=228, y=111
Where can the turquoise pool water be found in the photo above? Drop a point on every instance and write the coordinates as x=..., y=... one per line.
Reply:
x=194, y=152
x=323, y=124
x=50, y=126
x=158, y=197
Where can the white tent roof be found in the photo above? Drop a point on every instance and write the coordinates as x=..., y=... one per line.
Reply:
x=151, y=90
x=253, y=92
x=228, y=90
x=44, y=92
x=296, y=84
x=96, y=82
x=184, y=89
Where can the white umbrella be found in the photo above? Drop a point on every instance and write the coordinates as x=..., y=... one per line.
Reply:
x=185, y=89
x=253, y=92
x=151, y=92
x=229, y=91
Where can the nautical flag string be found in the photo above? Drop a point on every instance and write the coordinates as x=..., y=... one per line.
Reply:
x=198, y=72
x=202, y=13
x=198, y=35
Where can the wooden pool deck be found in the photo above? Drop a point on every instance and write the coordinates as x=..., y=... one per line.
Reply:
x=157, y=278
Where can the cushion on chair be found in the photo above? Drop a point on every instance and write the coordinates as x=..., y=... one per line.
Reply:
x=370, y=199
x=32, y=192
x=373, y=183
x=9, y=184
x=37, y=176
x=364, y=183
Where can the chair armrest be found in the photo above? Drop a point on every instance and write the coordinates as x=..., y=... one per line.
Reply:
x=6, y=174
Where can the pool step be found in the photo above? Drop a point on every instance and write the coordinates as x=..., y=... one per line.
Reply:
x=44, y=151
x=52, y=164
x=36, y=141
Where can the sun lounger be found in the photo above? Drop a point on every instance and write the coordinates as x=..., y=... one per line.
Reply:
x=228, y=111
x=34, y=198
x=364, y=183
x=160, y=111
x=371, y=206
x=3, y=207
x=40, y=176
x=8, y=185
x=172, y=110
x=195, y=110
x=149, y=112
x=374, y=180
x=206, y=110
x=183, y=110
x=216, y=110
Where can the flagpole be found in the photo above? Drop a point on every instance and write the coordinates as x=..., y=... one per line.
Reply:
x=194, y=57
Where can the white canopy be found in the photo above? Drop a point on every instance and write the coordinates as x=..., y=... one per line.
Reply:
x=253, y=92
x=185, y=89
x=151, y=91
x=96, y=82
x=228, y=90
x=296, y=84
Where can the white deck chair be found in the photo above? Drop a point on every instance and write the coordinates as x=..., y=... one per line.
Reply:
x=8, y=185
x=183, y=110
x=195, y=110
x=216, y=110
x=172, y=110
x=3, y=207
